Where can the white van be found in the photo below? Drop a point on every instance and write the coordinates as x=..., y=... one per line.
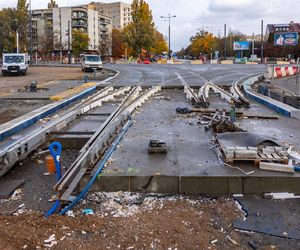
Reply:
x=14, y=64
x=90, y=62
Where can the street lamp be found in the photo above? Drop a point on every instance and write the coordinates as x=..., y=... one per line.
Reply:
x=169, y=17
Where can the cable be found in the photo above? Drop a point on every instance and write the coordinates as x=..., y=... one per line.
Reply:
x=55, y=149
x=100, y=168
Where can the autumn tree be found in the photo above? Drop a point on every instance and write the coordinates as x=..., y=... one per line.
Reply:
x=160, y=44
x=202, y=42
x=8, y=19
x=80, y=41
x=22, y=23
x=118, y=44
x=52, y=4
x=139, y=34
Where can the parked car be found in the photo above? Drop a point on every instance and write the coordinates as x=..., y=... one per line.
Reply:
x=146, y=61
x=14, y=64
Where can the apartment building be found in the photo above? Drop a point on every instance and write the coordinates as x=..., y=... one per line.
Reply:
x=119, y=12
x=50, y=28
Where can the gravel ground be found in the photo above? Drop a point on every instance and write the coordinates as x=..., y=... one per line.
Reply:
x=42, y=75
x=10, y=109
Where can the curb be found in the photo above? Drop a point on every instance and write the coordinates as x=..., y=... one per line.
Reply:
x=23, y=122
x=279, y=107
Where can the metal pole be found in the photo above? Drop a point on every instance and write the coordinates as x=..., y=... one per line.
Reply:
x=169, y=17
x=169, y=36
x=225, y=48
x=17, y=40
x=60, y=38
x=252, y=47
x=262, y=42
x=30, y=35
x=69, y=42
x=298, y=83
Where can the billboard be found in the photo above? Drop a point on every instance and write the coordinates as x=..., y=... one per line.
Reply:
x=290, y=38
x=241, y=45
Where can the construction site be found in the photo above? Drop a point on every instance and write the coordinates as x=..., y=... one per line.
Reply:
x=152, y=156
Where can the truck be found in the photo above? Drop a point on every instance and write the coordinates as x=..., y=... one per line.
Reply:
x=14, y=63
x=89, y=62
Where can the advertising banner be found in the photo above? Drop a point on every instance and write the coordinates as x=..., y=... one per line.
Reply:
x=290, y=38
x=241, y=45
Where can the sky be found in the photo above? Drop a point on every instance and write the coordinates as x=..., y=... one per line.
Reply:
x=239, y=15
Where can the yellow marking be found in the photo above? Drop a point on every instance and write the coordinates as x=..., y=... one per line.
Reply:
x=71, y=92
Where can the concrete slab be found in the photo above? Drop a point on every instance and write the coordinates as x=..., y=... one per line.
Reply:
x=189, y=166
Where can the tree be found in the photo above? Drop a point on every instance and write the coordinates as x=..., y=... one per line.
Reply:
x=118, y=45
x=22, y=24
x=202, y=42
x=160, y=44
x=139, y=34
x=80, y=41
x=52, y=4
x=7, y=30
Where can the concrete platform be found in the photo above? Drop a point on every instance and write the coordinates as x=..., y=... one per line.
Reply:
x=189, y=166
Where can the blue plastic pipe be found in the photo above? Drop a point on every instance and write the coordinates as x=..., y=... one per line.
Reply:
x=55, y=150
x=100, y=168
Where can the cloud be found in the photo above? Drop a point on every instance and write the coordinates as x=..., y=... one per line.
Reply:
x=229, y=5
x=241, y=15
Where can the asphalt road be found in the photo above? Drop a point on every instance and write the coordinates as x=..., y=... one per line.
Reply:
x=194, y=75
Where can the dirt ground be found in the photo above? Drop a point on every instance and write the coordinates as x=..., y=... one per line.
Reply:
x=156, y=224
x=42, y=75
x=10, y=109
x=120, y=221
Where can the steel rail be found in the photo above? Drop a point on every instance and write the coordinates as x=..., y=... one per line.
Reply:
x=96, y=146
x=21, y=148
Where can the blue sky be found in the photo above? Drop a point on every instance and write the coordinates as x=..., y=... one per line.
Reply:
x=241, y=15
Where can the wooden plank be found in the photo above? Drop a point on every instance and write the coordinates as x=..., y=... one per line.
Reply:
x=270, y=157
x=276, y=156
x=263, y=156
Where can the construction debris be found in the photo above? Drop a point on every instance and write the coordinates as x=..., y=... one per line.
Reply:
x=219, y=122
x=157, y=147
x=276, y=167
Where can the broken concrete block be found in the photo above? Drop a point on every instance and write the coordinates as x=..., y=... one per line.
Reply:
x=253, y=148
x=229, y=152
x=276, y=167
x=247, y=154
x=241, y=148
x=283, y=153
x=277, y=149
x=268, y=150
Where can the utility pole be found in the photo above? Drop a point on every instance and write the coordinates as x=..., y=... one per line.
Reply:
x=225, y=48
x=252, y=46
x=297, y=92
x=60, y=37
x=30, y=34
x=69, y=42
x=262, y=42
x=169, y=17
x=17, y=40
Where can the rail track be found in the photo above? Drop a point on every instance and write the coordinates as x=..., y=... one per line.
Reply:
x=202, y=98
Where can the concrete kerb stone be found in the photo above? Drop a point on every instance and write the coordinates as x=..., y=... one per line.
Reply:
x=279, y=107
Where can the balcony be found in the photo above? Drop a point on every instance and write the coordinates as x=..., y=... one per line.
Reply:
x=79, y=15
x=76, y=24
